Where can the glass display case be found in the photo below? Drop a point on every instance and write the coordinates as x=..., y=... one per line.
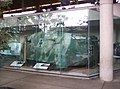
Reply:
x=116, y=44
x=61, y=42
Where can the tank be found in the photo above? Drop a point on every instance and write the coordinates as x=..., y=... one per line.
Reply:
x=62, y=49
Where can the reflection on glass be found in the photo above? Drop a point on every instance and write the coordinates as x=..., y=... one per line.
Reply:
x=60, y=42
x=116, y=45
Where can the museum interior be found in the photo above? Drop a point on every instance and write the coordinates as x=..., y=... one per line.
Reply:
x=54, y=37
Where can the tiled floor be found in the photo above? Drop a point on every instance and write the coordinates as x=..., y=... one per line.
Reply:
x=22, y=80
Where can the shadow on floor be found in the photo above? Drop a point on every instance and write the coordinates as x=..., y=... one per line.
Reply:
x=6, y=88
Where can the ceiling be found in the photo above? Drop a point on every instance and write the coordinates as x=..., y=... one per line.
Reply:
x=20, y=5
x=28, y=3
x=23, y=5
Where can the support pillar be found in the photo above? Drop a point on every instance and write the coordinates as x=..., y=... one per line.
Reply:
x=106, y=40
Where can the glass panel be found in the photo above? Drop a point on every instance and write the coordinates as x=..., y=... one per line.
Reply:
x=93, y=26
x=44, y=46
x=116, y=45
x=10, y=49
x=82, y=54
x=30, y=39
x=73, y=58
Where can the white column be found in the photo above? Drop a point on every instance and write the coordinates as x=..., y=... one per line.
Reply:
x=106, y=40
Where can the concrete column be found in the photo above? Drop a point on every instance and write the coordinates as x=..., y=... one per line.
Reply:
x=106, y=40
